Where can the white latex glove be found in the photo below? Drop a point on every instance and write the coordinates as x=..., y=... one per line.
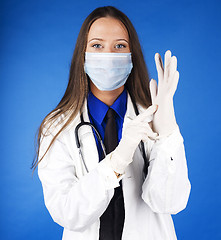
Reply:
x=164, y=121
x=135, y=131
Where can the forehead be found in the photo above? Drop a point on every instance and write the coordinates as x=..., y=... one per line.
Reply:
x=108, y=27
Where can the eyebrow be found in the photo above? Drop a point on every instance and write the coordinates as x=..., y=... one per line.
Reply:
x=100, y=39
x=122, y=39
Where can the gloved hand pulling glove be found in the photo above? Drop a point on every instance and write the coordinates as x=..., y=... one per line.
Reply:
x=135, y=131
x=164, y=121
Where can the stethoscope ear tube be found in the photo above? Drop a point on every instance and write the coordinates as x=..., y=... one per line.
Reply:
x=83, y=123
x=78, y=143
x=76, y=134
x=146, y=161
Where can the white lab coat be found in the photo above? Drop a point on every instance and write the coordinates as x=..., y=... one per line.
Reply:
x=76, y=199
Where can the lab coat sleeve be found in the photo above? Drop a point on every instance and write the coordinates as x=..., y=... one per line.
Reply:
x=74, y=203
x=166, y=188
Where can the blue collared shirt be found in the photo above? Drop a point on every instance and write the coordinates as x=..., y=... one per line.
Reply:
x=97, y=111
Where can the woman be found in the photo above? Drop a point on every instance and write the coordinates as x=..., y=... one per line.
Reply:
x=131, y=192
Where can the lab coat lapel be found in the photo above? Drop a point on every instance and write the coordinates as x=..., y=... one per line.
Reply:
x=88, y=143
x=130, y=113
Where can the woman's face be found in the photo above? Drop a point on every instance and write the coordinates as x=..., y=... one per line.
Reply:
x=108, y=35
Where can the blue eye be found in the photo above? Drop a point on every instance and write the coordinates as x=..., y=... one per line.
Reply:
x=97, y=45
x=120, y=46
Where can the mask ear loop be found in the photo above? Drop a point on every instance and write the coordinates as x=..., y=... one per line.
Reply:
x=141, y=146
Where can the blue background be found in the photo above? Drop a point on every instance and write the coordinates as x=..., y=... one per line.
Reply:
x=37, y=40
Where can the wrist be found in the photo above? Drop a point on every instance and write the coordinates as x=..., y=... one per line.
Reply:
x=119, y=161
x=165, y=134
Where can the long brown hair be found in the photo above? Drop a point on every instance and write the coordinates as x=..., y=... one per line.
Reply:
x=76, y=92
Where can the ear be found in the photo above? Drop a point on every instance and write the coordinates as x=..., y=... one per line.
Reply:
x=153, y=90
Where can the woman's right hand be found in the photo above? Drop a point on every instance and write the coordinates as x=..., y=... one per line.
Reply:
x=135, y=131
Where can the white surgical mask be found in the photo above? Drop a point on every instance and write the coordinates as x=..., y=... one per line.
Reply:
x=108, y=71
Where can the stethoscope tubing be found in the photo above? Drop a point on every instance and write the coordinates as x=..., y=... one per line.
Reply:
x=83, y=123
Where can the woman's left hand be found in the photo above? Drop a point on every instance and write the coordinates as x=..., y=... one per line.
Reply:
x=164, y=121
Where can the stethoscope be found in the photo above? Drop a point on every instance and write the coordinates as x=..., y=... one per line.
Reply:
x=83, y=123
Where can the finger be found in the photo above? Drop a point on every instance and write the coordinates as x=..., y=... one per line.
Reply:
x=150, y=134
x=141, y=126
x=159, y=66
x=167, y=60
x=159, y=59
x=175, y=80
x=145, y=132
x=142, y=119
x=153, y=90
x=149, y=111
x=173, y=66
